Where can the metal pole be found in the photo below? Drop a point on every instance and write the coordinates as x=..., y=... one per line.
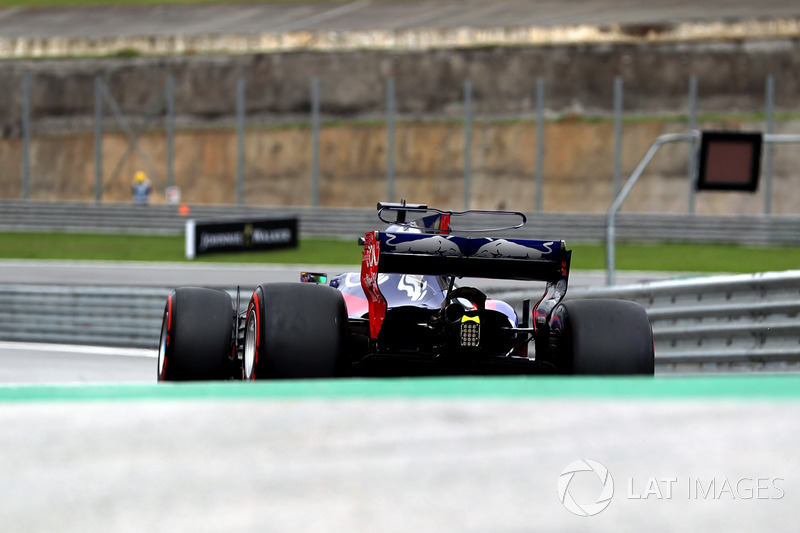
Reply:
x=692, y=152
x=240, y=103
x=98, y=139
x=170, y=131
x=467, y=142
x=775, y=138
x=618, y=88
x=770, y=104
x=315, y=142
x=390, y=112
x=617, y=203
x=539, y=144
x=26, y=136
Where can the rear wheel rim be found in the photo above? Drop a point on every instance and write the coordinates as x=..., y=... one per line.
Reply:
x=162, y=347
x=250, y=336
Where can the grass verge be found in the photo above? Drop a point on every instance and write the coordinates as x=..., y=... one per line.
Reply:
x=100, y=247
x=657, y=257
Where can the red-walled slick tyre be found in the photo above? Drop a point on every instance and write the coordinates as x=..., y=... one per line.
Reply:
x=294, y=331
x=196, y=335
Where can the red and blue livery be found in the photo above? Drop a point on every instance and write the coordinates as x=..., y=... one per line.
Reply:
x=409, y=312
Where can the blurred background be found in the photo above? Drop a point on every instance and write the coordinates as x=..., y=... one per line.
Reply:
x=534, y=106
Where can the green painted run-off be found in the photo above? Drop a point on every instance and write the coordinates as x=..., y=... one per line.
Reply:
x=766, y=387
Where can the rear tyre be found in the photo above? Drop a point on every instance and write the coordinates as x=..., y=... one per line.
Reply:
x=196, y=335
x=602, y=337
x=294, y=331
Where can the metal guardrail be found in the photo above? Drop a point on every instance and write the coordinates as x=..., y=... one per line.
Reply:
x=721, y=322
x=85, y=314
x=337, y=222
x=167, y=220
x=743, y=322
x=92, y=315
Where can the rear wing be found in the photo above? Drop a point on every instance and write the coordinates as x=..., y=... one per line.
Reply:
x=449, y=255
x=480, y=257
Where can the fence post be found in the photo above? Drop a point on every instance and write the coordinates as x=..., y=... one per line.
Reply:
x=170, y=131
x=539, y=144
x=692, y=152
x=618, y=95
x=240, y=103
x=770, y=109
x=98, y=139
x=467, y=142
x=26, y=136
x=315, y=142
x=390, y=112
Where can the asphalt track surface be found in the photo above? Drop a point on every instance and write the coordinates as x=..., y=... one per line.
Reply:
x=400, y=455
x=31, y=363
x=188, y=20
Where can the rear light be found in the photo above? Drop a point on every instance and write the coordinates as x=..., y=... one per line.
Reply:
x=470, y=331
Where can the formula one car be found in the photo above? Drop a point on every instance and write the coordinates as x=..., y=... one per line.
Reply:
x=405, y=314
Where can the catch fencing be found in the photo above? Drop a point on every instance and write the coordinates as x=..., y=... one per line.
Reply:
x=718, y=323
x=161, y=112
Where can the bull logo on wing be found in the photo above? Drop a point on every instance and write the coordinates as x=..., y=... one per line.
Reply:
x=511, y=250
x=435, y=245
